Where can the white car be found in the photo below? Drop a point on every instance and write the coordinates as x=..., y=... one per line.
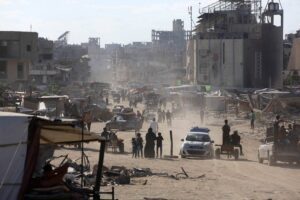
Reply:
x=197, y=144
x=267, y=151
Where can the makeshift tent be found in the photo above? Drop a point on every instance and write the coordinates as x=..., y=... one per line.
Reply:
x=13, y=148
x=20, y=139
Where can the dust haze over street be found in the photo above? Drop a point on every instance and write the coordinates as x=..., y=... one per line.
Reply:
x=211, y=85
x=222, y=179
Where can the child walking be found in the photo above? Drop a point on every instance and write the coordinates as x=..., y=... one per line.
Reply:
x=139, y=142
x=159, y=140
x=134, y=147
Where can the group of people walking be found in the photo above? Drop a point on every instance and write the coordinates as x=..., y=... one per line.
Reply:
x=164, y=116
x=149, y=150
x=151, y=140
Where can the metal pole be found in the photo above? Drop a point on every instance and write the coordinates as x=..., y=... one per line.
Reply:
x=99, y=170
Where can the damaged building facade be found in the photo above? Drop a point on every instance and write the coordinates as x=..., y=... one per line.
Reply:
x=170, y=46
x=43, y=71
x=18, y=53
x=236, y=45
x=160, y=61
x=293, y=41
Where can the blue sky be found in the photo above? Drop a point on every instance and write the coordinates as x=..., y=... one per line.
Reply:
x=111, y=20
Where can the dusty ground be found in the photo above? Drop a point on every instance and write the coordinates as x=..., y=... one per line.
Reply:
x=224, y=179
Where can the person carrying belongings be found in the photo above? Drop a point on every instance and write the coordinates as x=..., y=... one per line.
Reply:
x=236, y=141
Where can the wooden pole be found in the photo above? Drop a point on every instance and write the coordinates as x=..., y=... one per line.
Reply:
x=99, y=170
x=171, y=139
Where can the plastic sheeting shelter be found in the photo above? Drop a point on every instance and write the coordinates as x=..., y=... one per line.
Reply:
x=20, y=137
x=13, y=148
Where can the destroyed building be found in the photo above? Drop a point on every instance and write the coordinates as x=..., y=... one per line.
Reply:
x=291, y=61
x=111, y=58
x=170, y=46
x=43, y=71
x=94, y=53
x=71, y=59
x=160, y=61
x=236, y=45
x=294, y=57
x=18, y=53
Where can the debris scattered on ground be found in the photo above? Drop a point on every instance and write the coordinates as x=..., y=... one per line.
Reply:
x=120, y=175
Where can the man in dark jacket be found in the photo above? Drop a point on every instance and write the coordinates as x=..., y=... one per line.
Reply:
x=236, y=141
x=226, y=131
x=159, y=147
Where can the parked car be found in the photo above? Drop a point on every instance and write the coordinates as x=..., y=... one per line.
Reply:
x=125, y=122
x=197, y=144
x=268, y=151
x=117, y=109
x=99, y=112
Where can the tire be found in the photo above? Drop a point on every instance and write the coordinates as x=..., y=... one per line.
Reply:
x=218, y=153
x=236, y=154
x=271, y=160
x=260, y=160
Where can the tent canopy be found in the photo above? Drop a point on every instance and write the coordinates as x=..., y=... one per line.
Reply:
x=20, y=137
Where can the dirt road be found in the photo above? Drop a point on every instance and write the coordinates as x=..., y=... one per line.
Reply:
x=221, y=179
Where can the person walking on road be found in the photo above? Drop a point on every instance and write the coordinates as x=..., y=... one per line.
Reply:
x=134, y=147
x=202, y=112
x=150, y=144
x=154, y=126
x=252, y=119
x=169, y=118
x=159, y=147
x=140, y=144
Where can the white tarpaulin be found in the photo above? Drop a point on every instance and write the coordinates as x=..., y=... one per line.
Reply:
x=13, y=147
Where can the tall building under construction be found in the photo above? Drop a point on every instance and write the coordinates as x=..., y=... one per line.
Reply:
x=238, y=44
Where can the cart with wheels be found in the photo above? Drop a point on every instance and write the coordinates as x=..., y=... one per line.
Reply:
x=227, y=149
